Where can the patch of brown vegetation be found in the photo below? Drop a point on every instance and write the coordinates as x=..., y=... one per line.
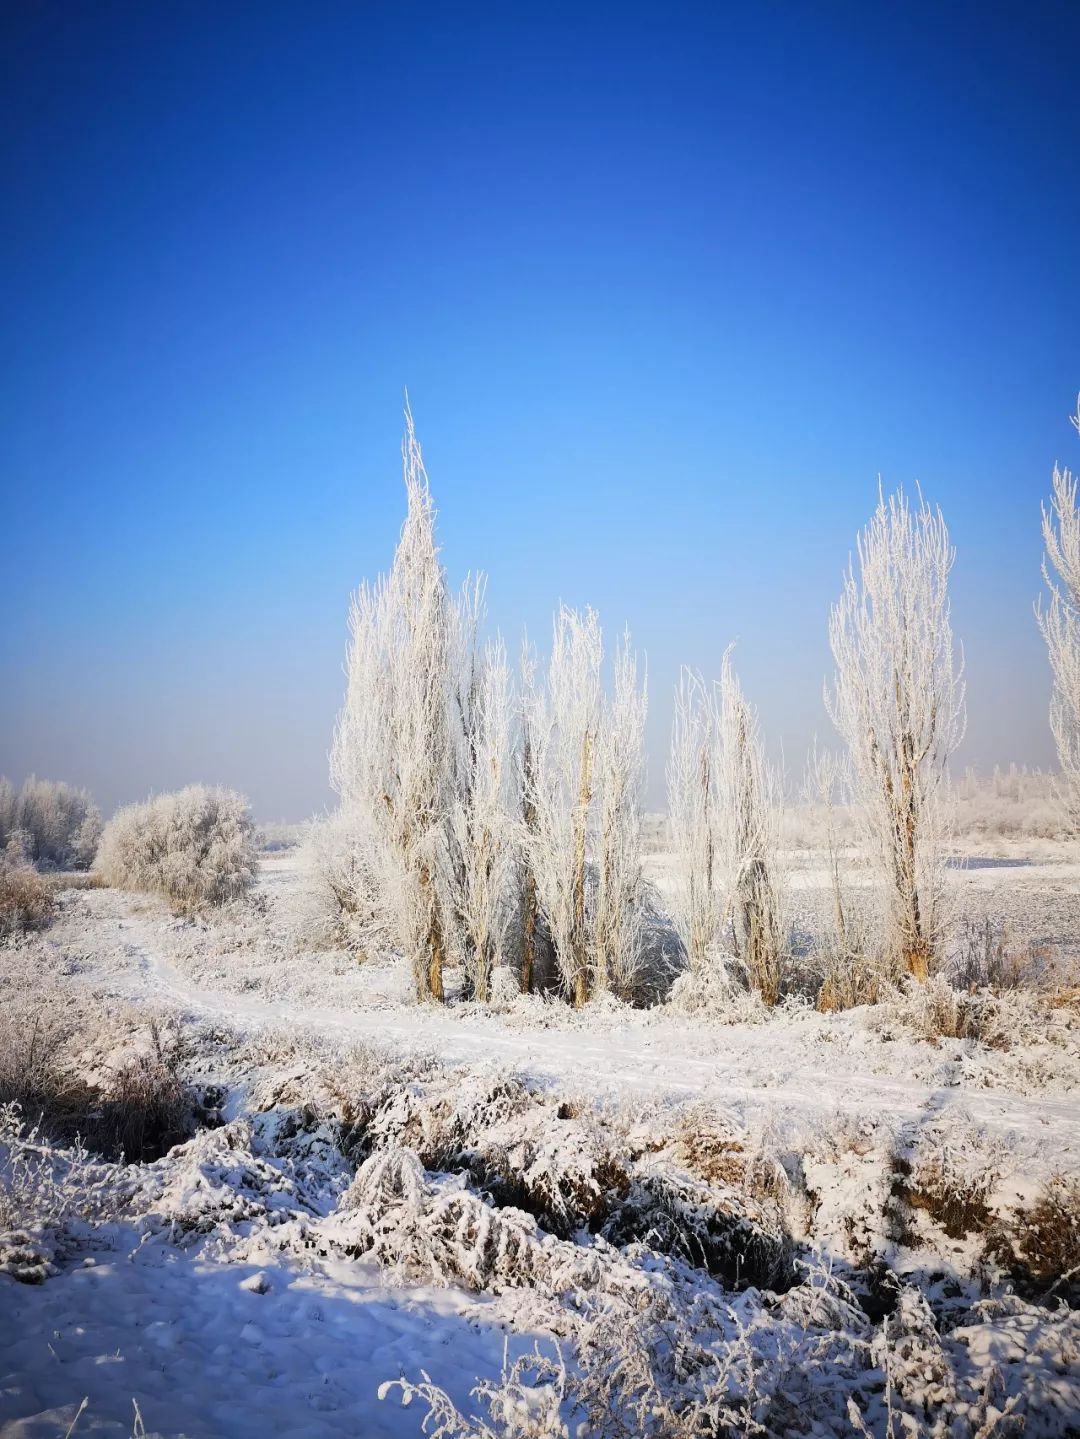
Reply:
x=716, y=1153
x=1041, y=1248
x=25, y=900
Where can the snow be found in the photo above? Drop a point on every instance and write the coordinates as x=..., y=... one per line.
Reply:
x=205, y=1353
x=252, y=1281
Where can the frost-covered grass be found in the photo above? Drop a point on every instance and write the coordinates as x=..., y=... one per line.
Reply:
x=25, y=900
x=663, y=1221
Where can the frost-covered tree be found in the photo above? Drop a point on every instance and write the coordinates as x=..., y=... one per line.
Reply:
x=583, y=774
x=395, y=750
x=898, y=702
x=483, y=822
x=1060, y=625
x=748, y=809
x=691, y=787
x=565, y=728
x=621, y=777
x=723, y=802
x=59, y=826
x=528, y=715
x=8, y=821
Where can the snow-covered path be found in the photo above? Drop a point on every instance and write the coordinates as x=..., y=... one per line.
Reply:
x=802, y=1067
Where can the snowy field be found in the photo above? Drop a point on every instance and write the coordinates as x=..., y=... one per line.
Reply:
x=787, y=1225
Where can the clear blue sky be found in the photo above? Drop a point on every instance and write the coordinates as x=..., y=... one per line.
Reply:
x=669, y=285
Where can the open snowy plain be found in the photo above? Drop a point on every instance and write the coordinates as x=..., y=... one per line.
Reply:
x=785, y=1223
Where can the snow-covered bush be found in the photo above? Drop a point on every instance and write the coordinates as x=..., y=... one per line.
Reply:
x=1041, y=1246
x=437, y=1231
x=25, y=901
x=723, y=1229
x=58, y=825
x=196, y=847
x=84, y=1071
x=713, y=993
x=444, y=1117
x=524, y=1403
x=144, y=1106
x=50, y=1198
x=991, y=956
x=344, y=884
x=515, y=1145
x=937, y=1010
x=215, y=1181
x=949, y=1172
x=37, y=1025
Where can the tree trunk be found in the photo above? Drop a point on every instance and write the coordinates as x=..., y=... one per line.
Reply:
x=430, y=981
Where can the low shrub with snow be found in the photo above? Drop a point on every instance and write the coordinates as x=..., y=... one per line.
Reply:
x=196, y=847
x=524, y=1403
x=86, y=1071
x=25, y=901
x=50, y=1197
x=937, y=1010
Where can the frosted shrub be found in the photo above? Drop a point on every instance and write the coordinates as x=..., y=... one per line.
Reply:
x=938, y=1011
x=58, y=826
x=525, y=1402
x=1042, y=1246
x=440, y=1233
x=343, y=868
x=25, y=902
x=49, y=1197
x=196, y=847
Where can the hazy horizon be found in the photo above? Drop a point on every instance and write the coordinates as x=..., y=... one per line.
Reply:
x=669, y=289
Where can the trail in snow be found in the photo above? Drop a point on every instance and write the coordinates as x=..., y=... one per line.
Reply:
x=795, y=1069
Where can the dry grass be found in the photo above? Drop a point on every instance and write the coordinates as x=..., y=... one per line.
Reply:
x=1042, y=1246
x=936, y=1010
x=137, y=1108
x=713, y=1151
x=989, y=956
x=957, y=1203
x=25, y=898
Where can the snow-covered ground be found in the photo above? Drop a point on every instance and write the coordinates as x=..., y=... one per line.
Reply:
x=248, y=1283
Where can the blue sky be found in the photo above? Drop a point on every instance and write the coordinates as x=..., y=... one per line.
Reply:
x=670, y=285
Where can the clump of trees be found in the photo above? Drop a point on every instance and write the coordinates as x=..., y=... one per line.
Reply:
x=484, y=820
x=49, y=824
x=490, y=819
x=197, y=847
